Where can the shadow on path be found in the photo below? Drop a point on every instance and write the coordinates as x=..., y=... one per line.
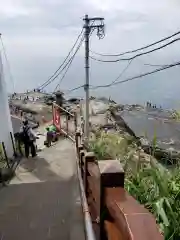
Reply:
x=43, y=200
x=39, y=167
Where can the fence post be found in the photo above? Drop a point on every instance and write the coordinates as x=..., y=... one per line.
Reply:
x=111, y=175
x=67, y=124
x=77, y=140
x=80, y=148
x=13, y=145
x=89, y=157
x=75, y=121
x=81, y=162
x=5, y=154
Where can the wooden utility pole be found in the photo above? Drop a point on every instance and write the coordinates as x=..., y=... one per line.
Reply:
x=89, y=26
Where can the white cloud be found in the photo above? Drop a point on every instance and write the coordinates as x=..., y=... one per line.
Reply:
x=13, y=9
x=39, y=34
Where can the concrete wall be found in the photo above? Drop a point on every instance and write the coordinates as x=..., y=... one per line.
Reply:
x=5, y=118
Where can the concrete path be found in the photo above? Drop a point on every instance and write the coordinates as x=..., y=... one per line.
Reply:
x=43, y=200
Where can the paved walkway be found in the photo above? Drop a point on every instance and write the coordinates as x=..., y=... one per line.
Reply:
x=43, y=200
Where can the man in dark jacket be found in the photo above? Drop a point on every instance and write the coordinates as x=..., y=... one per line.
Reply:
x=28, y=139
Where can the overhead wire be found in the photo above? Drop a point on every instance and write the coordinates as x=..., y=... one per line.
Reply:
x=70, y=62
x=123, y=71
x=155, y=65
x=137, y=55
x=137, y=76
x=44, y=84
x=8, y=64
x=138, y=49
x=125, y=80
x=58, y=85
x=76, y=88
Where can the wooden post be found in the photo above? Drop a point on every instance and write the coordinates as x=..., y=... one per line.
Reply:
x=75, y=121
x=89, y=157
x=67, y=124
x=111, y=175
x=81, y=162
x=80, y=148
x=77, y=136
x=5, y=154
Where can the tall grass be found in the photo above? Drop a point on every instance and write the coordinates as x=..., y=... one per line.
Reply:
x=152, y=185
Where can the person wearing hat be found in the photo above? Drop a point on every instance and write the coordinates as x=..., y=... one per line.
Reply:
x=29, y=139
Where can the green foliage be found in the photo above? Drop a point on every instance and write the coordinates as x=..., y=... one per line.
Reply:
x=153, y=186
x=109, y=145
x=159, y=191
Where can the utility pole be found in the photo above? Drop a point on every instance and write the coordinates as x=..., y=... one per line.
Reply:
x=89, y=27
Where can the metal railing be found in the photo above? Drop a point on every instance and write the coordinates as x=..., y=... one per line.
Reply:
x=68, y=122
x=6, y=162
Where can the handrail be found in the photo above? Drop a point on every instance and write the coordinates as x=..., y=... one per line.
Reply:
x=64, y=110
x=115, y=215
x=87, y=218
x=68, y=128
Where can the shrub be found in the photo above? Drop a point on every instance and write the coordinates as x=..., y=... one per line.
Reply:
x=152, y=185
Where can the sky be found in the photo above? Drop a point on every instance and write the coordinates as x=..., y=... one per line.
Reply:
x=38, y=35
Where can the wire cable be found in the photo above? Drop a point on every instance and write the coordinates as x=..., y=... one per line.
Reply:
x=58, y=85
x=123, y=71
x=155, y=65
x=42, y=86
x=70, y=60
x=136, y=77
x=8, y=64
x=137, y=55
x=138, y=49
x=76, y=88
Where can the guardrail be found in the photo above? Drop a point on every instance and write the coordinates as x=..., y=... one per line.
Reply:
x=115, y=215
x=5, y=162
x=65, y=121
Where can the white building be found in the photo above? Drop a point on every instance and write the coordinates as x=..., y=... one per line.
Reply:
x=5, y=118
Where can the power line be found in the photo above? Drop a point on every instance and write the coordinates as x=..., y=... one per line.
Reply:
x=69, y=62
x=76, y=88
x=58, y=85
x=136, y=77
x=72, y=60
x=138, y=49
x=155, y=65
x=8, y=64
x=137, y=55
x=123, y=71
x=42, y=86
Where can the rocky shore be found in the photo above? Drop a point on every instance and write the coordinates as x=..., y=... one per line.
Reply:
x=154, y=129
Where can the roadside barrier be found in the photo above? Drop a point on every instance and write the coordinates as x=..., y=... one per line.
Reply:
x=65, y=121
x=115, y=215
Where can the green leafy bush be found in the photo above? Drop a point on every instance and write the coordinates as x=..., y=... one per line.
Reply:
x=152, y=185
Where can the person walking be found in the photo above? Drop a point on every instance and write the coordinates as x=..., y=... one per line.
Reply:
x=29, y=139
